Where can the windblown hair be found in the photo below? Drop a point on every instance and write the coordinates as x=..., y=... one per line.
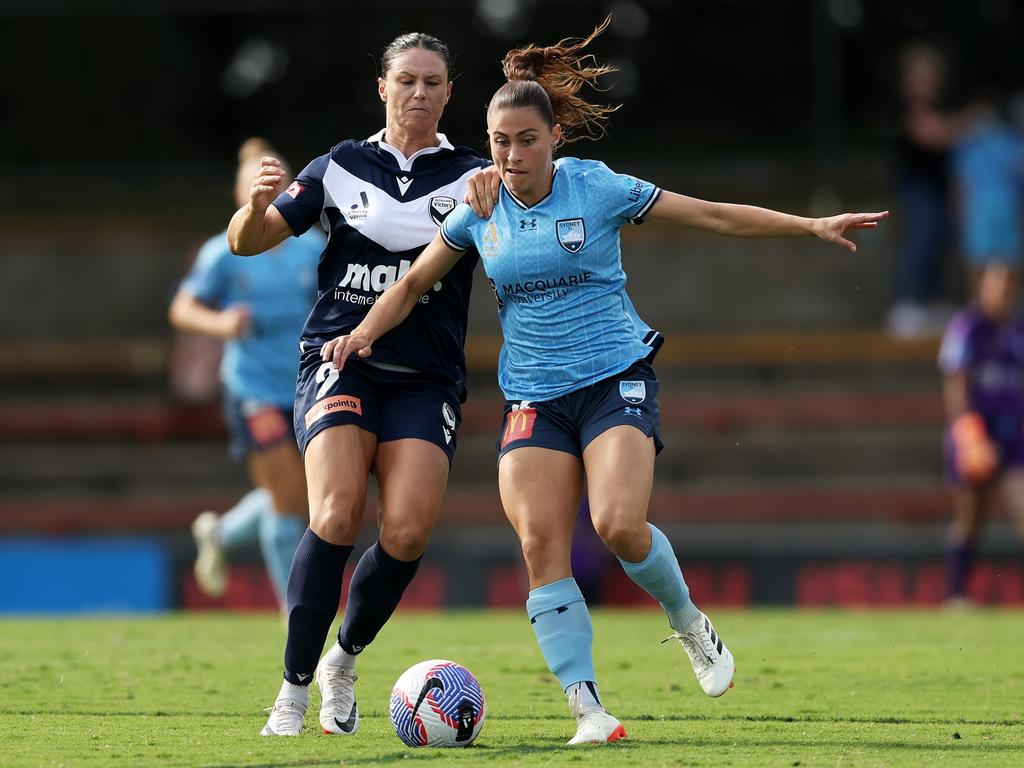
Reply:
x=409, y=40
x=548, y=81
x=254, y=149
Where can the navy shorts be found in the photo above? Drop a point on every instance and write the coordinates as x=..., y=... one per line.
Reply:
x=570, y=422
x=393, y=405
x=254, y=425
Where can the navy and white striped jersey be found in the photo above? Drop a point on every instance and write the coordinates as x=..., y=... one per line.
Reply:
x=379, y=210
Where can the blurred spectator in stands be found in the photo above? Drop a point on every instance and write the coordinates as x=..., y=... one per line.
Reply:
x=982, y=359
x=988, y=178
x=927, y=132
x=257, y=307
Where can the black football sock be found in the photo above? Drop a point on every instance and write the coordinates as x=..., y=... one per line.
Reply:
x=378, y=583
x=314, y=589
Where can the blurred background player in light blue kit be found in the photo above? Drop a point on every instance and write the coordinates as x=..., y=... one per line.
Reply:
x=987, y=166
x=982, y=360
x=581, y=398
x=257, y=307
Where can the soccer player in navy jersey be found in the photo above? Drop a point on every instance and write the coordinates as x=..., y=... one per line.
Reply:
x=581, y=400
x=395, y=413
x=982, y=361
x=258, y=308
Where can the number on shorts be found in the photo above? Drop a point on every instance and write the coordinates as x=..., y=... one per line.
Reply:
x=326, y=376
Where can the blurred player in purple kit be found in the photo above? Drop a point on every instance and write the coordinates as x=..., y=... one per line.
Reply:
x=982, y=359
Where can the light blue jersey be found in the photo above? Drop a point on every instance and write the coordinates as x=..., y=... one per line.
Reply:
x=279, y=288
x=988, y=166
x=556, y=270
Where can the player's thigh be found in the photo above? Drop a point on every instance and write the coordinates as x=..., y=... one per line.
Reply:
x=337, y=463
x=540, y=490
x=620, y=476
x=279, y=470
x=412, y=475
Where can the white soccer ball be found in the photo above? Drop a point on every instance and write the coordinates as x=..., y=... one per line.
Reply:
x=437, y=703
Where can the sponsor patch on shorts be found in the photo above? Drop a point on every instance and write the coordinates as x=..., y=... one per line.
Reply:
x=518, y=425
x=333, y=404
x=266, y=425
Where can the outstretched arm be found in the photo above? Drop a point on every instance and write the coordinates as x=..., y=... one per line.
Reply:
x=751, y=221
x=395, y=304
x=258, y=226
x=188, y=313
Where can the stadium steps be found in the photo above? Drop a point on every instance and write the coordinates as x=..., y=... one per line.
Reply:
x=728, y=441
x=126, y=359
x=759, y=427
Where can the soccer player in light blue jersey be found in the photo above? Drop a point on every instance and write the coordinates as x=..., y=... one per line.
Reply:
x=258, y=309
x=581, y=399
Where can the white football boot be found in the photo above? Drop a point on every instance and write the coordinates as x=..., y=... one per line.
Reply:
x=339, y=712
x=285, y=719
x=211, y=569
x=711, y=661
x=594, y=725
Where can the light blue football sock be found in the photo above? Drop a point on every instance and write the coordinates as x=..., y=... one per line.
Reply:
x=561, y=622
x=659, y=575
x=279, y=536
x=240, y=525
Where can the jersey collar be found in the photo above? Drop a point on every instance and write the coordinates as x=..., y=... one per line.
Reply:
x=524, y=206
x=405, y=163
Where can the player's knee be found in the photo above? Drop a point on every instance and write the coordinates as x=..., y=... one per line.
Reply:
x=622, y=537
x=336, y=518
x=406, y=543
x=537, y=550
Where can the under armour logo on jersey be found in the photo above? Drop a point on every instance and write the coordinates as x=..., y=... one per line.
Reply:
x=528, y=224
x=403, y=184
x=632, y=411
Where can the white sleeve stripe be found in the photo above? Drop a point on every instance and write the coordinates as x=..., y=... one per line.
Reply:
x=645, y=209
x=451, y=243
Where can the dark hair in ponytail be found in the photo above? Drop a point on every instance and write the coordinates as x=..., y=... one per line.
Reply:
x=548, y=80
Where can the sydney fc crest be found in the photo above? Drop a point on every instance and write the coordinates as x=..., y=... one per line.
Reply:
x=571, y=234
x=440, y=207
x=633, y=391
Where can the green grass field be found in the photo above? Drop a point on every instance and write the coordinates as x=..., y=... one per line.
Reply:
x=822, y=688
